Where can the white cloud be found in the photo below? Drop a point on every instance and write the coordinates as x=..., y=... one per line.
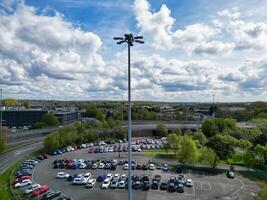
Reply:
x=232, y=13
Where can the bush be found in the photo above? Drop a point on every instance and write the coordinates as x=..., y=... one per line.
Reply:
x=39, y=125
x=49, y=119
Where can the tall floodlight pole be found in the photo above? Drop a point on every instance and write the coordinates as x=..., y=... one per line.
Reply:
x=129, y=39
x=213, y=102
x=1, y=125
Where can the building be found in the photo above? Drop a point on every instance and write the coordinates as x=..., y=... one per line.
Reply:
x=66, y=117
x=17, y=118
x=27, y=117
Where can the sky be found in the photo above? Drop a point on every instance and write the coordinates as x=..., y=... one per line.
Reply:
x=63, y=50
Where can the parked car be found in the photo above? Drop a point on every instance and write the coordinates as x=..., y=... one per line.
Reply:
x=40, y=190
x=105, y=184
x=122, y=184
x=163, y=186
x=114, y=184
x=165, y=168
x=31, y=188
x=189, y=183
x=145, y=185
x=230, y=174
x=180, y=188
x=23, y=183
x=17, y=180
x=91, y=183
x=152, y=167
x=155, y=185
x=101, y=177
x=125, y=166
x=62, y=175
x=51, y=194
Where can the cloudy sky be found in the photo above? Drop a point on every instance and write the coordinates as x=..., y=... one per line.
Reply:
x=63, y=49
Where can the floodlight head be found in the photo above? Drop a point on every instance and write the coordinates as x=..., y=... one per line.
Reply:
x=138, y=37
x=118, y=38
x=120, y=42
x=139, y=41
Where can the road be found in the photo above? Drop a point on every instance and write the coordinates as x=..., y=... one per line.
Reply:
x=7, y=159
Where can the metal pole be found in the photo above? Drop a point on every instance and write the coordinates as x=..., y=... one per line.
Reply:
x=1, y=125
x=213, y=100
x=129, y=128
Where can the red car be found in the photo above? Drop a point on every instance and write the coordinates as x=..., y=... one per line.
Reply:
x=45, y=155
x=40, y=190
x=75, y=147
x=22, y=178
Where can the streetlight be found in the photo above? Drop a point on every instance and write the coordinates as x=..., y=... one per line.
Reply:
x=129, y=39
x=1, y=125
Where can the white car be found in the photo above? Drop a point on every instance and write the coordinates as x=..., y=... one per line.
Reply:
x=94, y=166
x=90, y=145
x=122, y=184
x=23, y=183
x=91, y=183
x=62, y=175
x=125, y=166
x=81, y=161
x=116, y=177
x=31, y=188
x=188, y=183
x=110, y=150
x=86, y=178
x=139, y=150
x=101, y=166
x=78, y=181
x=105, y=184
x=109, y=176
x=123, y=177
x=82, y=166
x=152, y=167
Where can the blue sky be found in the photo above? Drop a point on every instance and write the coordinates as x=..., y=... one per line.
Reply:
x=193, y=49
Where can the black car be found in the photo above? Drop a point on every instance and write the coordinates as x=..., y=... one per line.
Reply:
x=51, y=194
x=155, y=185
x=157, y=178
x=145, y=185
x=113, y=167
x=71, y=177
x=145, y=167
x=163, y=186
x=137, y=185
x=180, y=188
x=171, y=187
x=139, y=166
x=145, y=178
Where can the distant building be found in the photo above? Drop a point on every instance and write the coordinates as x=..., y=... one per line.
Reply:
x=27, y=117
x=17, y=118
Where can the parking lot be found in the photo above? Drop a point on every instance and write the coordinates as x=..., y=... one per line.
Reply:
x=204, y=186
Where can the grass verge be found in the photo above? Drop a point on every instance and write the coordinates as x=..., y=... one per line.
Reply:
x=155, y=155
x=157, y=150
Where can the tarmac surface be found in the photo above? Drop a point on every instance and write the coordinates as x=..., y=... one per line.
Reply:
x=204, y=186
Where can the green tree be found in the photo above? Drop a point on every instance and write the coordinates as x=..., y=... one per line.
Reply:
x=26, y=104
x=52, y=141
x=10, y=102
x=50, y=119
x=198, y=135
x=2, y=144
x=39, y=125
x=90, y=110
x=207, y=156
x=174, y=142
x=209, y=128
x=100, y=115
x=223, y=145
x=188, y=153
x=162, y=130
x=244, y=144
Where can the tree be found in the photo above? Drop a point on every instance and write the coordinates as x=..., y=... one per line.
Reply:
x=26, y=104
x=90, y=110
x=174, y=142
x=207, y=156
x=162, y=130
x=261, y=139
x=10, y=102
x=198, y=135
x=188, y=153
x=38, y=125
x=50, y=119
x=99, y=115
x=209, y=128
x=166, y=147
x=244, y=144
x=52, y=141
x=223, y=145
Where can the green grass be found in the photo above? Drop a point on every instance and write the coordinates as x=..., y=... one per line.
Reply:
x=156, y=150
x=155, y=155
x=263, y=192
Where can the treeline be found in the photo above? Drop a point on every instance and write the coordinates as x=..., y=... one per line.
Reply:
x=219, y=139
x=80, y=133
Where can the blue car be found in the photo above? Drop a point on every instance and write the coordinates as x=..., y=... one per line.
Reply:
x=101, y=177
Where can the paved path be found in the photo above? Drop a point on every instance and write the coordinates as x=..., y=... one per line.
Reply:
x=7, y=159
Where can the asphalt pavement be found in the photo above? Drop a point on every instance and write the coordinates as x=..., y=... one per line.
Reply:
x=7, y=159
